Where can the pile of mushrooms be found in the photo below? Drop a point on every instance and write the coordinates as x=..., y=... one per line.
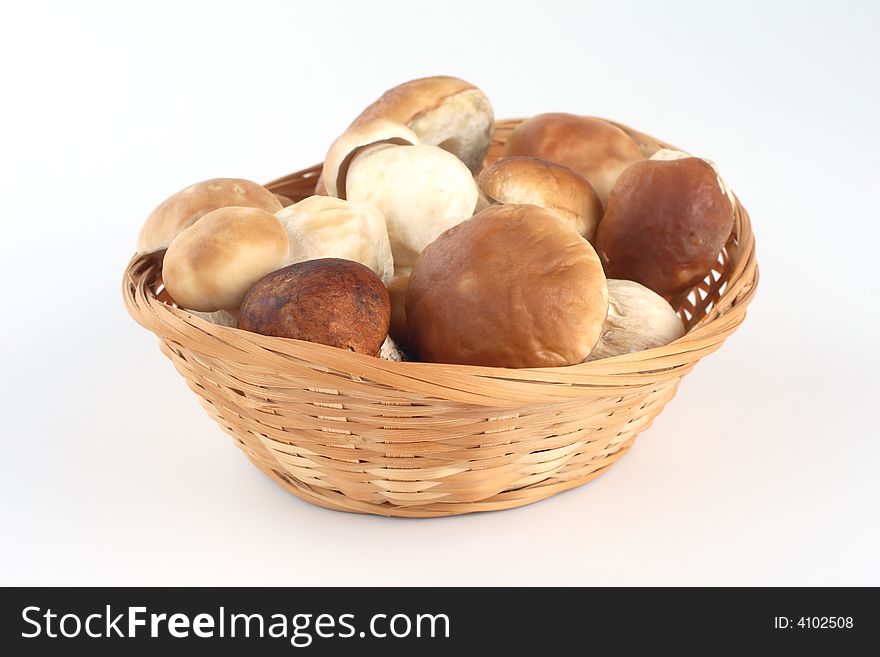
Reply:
x=566, y=249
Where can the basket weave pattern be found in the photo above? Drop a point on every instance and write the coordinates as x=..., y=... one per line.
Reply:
x=355, y=433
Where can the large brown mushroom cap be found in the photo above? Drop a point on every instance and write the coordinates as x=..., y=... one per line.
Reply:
x=330, y=301
x=443, y=111
x=666, y=224
x=530, y=181
x=181, y=210
x=590, y=147
x=510, y=287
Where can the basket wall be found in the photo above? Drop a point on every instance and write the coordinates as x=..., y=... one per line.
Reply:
x=356, y=433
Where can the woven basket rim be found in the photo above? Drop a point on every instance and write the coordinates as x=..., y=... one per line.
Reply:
x=267, y=341
x=704, y=337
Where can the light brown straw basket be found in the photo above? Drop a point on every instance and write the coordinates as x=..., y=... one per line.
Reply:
x=355, y=433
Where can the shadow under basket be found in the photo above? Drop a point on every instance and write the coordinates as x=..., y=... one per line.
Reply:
x=355, y=433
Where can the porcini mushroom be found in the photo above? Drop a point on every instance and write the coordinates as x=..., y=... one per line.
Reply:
x=330, y=301
x=422, y=190
x=593, y=148
x=530, y=181
x=181, y=210
x=327, y=227
x=211, y=265
x=637, y=319
x=510, y=287
x=443, y=111
x=665, y=225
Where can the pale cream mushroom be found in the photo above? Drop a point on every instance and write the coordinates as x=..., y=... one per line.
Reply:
x=422, y=191
x=637, y=319
x=227, y=318
x=327, y=227
x=181, y=210
x=212, y=264
x=349, y=143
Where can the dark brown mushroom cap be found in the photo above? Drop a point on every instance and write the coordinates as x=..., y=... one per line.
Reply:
x=330, y=301
x=665, y=225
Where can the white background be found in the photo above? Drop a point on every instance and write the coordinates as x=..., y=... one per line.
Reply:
x=763, y=470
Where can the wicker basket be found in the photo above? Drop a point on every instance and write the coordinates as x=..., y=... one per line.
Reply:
x=355, y=433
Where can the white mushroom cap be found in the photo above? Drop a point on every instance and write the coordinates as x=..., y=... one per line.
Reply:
x=637, y=319
x=327, y=227
x=375, y=131
x=422, y=191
